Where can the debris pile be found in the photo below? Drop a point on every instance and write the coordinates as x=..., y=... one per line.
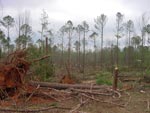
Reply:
x=49, y=97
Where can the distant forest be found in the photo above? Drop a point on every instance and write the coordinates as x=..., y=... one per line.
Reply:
x=134, y=55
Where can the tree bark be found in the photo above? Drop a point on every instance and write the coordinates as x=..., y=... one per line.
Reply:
x=66, y=86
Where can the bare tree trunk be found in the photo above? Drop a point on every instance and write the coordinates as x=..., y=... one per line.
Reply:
x=46, y=52
x=8, y=39
x=112, y=59
x=117, y=57
x=95, y=53
x=84, y=53
x=42, y=45
x=69, y=51
x=46, y=46
x=102, y=46
x=19, y=26
x=79, y=64
x=66, y=86
x=129, y=53
x=62, y=52
x=142, y=55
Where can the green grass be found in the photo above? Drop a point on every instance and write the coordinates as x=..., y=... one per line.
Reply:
x=104, y=78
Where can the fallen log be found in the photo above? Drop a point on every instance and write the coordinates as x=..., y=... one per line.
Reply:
x=32, y=110
x=67, y=86
x=92, y=92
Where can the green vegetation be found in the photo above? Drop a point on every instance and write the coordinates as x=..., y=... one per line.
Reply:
x=147, y=72
x=104, y=78
x=44, y=69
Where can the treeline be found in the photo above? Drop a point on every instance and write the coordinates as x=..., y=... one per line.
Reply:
x=69, y=45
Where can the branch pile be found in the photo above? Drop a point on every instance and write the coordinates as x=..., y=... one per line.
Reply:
x=82, y=97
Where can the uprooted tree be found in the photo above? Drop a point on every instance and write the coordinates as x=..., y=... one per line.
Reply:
x=13, y=70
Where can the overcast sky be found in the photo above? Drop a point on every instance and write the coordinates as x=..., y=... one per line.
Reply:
x=60, y=11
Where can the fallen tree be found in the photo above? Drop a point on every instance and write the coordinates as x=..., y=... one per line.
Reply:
x=13, y=70
x=67, y=86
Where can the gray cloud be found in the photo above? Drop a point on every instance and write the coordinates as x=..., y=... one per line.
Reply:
x=138, y=6
x=20, y=4
x=60, y=11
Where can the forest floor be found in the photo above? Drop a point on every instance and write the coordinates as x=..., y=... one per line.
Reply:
x=133, y=98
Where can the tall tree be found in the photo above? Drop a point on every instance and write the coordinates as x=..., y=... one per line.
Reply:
x=119, y=29
x=77, y=45
x=22, y=25
x=19, y=23
x=2, y=37
x=69, y=29
x=8, y=22
x=44, y=25
x=62, y=30
x=136, y=40
x=100, y=23
x=39, y=42
x=85, y=30
x=143, y=23
x=50, y=36
x=129, y=27
x=26, y=34
x=79, y=29
x=93, y=36
x=148, y=32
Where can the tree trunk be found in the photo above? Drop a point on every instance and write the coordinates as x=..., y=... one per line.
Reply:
x=142, y=55
x=84, y=53
x=102, y=47
x=129, y=52
x=46, y=44
x=62, y=52
x=69, y=51
x=79, y=65
x=8, y=39
x=112, y=59
x=42, y=44
x=95, y=53
x=65, y=86
x=117, y=57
